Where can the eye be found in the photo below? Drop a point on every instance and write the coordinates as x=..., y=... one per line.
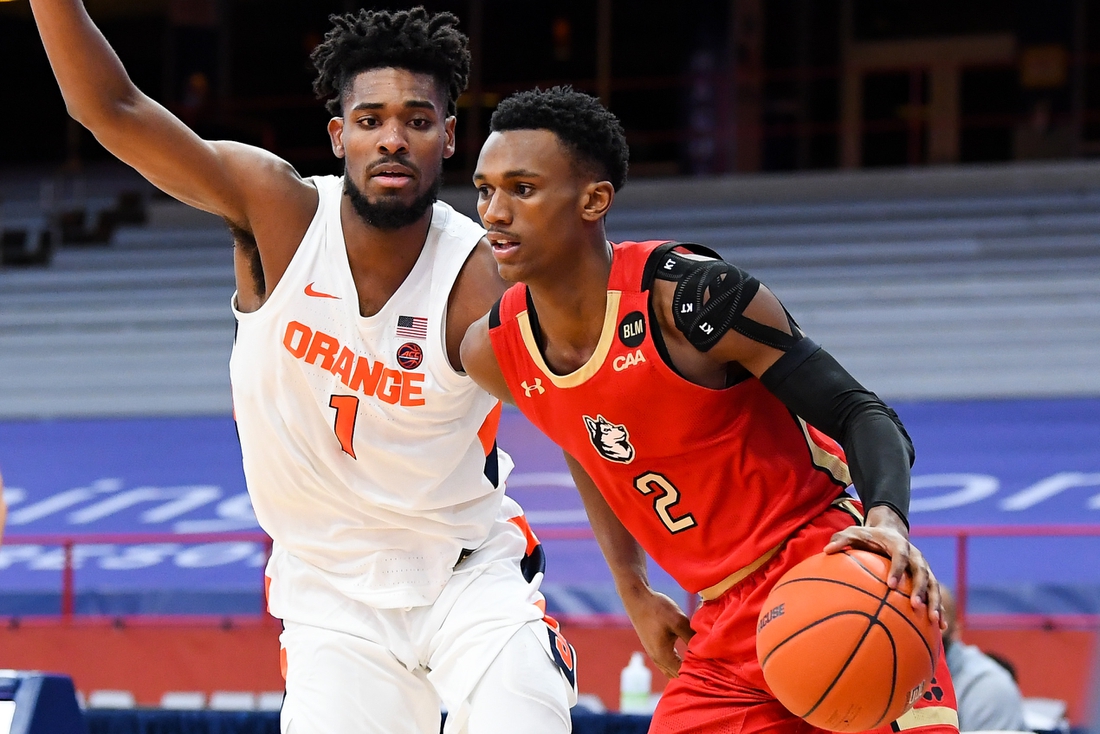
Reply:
x=420, y=123
x=523, y=189
x=368, y=121
x=483, y=192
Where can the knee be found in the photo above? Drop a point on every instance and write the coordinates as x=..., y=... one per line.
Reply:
x=521, y=685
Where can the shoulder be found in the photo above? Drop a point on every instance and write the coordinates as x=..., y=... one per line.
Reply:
x=452, y=223
x=274, y=192
x=479, y=360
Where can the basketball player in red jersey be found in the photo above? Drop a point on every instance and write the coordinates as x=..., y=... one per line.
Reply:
x=404, y=577
x=701, y=425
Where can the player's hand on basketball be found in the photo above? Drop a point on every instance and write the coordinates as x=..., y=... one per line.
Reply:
x=659, y=622
x=885, y=533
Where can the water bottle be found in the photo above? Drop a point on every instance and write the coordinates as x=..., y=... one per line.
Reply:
x=634, y=684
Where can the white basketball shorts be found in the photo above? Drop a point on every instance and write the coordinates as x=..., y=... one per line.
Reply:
x=484, y=651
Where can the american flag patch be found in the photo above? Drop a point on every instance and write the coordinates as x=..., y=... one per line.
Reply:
x=412, y=327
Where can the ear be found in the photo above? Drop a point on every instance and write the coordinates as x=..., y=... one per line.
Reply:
x=597, y=200
x=449, y=131
x=591, y=424
x=336, y=135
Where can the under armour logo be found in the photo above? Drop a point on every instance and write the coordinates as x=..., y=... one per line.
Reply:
x=670, y=264
x=529, y=389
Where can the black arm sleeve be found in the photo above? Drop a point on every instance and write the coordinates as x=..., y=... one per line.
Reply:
x=880, y=453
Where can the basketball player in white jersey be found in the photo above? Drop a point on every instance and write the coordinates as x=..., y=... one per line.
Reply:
x=404, y=577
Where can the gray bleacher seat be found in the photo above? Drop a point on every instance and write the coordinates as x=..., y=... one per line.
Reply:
x=27, y=234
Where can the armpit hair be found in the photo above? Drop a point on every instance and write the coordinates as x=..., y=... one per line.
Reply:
x=245, y=241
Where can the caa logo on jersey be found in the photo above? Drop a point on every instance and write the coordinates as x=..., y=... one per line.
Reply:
x=410, y=355
x=629, y=359
x=611, y=440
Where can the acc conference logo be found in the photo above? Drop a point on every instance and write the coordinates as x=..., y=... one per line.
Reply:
x=410, y=355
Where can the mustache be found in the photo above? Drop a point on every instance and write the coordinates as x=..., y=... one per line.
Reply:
x=396, y=160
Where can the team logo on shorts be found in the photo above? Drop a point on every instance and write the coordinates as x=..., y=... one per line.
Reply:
x=611, y=440
x=410, y=355
x=632, y=329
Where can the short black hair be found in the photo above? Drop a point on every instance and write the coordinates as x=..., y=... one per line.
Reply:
x=584, y=125
x=402, y=39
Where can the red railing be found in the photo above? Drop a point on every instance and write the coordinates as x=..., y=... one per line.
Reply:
x=68, y=542
x=961, y=534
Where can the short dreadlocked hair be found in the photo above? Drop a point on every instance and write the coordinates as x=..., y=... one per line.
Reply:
x=584, y=125
x=403, y=39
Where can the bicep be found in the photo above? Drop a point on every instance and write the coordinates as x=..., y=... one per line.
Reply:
x=754, y=355
x=477, y=287
x=724, y=313
x=221, y=177
x=480, y=362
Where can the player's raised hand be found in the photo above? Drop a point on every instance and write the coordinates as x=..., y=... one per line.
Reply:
x=885, y=533
x=659, y=622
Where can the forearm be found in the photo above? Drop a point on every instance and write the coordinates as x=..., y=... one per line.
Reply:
x=625, y=557
x=879, y=452
x=92, y=79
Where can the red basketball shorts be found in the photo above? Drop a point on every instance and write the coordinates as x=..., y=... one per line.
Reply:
x=721, y=688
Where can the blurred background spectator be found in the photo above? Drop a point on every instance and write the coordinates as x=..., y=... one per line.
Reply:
x=988, y=697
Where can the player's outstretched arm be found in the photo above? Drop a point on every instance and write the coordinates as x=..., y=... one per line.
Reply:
x=223, y=178
x=657, y=619
x=480, y=363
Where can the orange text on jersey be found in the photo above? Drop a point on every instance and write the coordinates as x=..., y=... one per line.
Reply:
x=356, y=371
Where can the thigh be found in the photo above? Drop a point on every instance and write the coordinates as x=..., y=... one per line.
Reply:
x=712, y=697
x=722, y=696
x=336, y=682
x=521, y=690
x=494, y=653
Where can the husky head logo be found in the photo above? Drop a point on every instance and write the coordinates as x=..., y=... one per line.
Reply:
x=610, y=439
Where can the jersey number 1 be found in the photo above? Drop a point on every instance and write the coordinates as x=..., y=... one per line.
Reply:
x=664, y=502
x=347, y=407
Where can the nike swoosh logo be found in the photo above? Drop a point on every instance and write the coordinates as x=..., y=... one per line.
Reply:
x=318, y=294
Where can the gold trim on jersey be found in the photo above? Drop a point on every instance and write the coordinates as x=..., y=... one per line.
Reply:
x=713, y=592
x=927, y=716
x=589, y=368
x=824, y=460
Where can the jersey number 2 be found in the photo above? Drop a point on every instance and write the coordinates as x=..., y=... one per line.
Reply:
x=663, y=504
x=347, y=407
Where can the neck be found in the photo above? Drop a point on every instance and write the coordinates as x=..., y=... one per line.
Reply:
x=387, y=244
x=380, y=260
x=571, y=305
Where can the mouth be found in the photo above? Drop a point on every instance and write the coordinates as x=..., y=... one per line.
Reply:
x=392, y=175
x=503, y=244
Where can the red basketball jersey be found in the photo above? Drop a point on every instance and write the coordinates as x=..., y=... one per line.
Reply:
x=706, y=480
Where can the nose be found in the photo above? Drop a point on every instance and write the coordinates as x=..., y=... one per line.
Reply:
x=494, y=209
x=393, y=141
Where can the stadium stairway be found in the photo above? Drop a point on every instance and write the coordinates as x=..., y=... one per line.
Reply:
x=967, y=282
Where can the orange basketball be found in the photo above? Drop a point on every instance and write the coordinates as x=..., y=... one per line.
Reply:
x=840, y=648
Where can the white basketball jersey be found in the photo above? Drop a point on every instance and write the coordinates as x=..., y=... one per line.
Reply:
x=361, y=443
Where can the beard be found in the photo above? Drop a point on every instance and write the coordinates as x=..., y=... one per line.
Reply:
x=390, y=214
